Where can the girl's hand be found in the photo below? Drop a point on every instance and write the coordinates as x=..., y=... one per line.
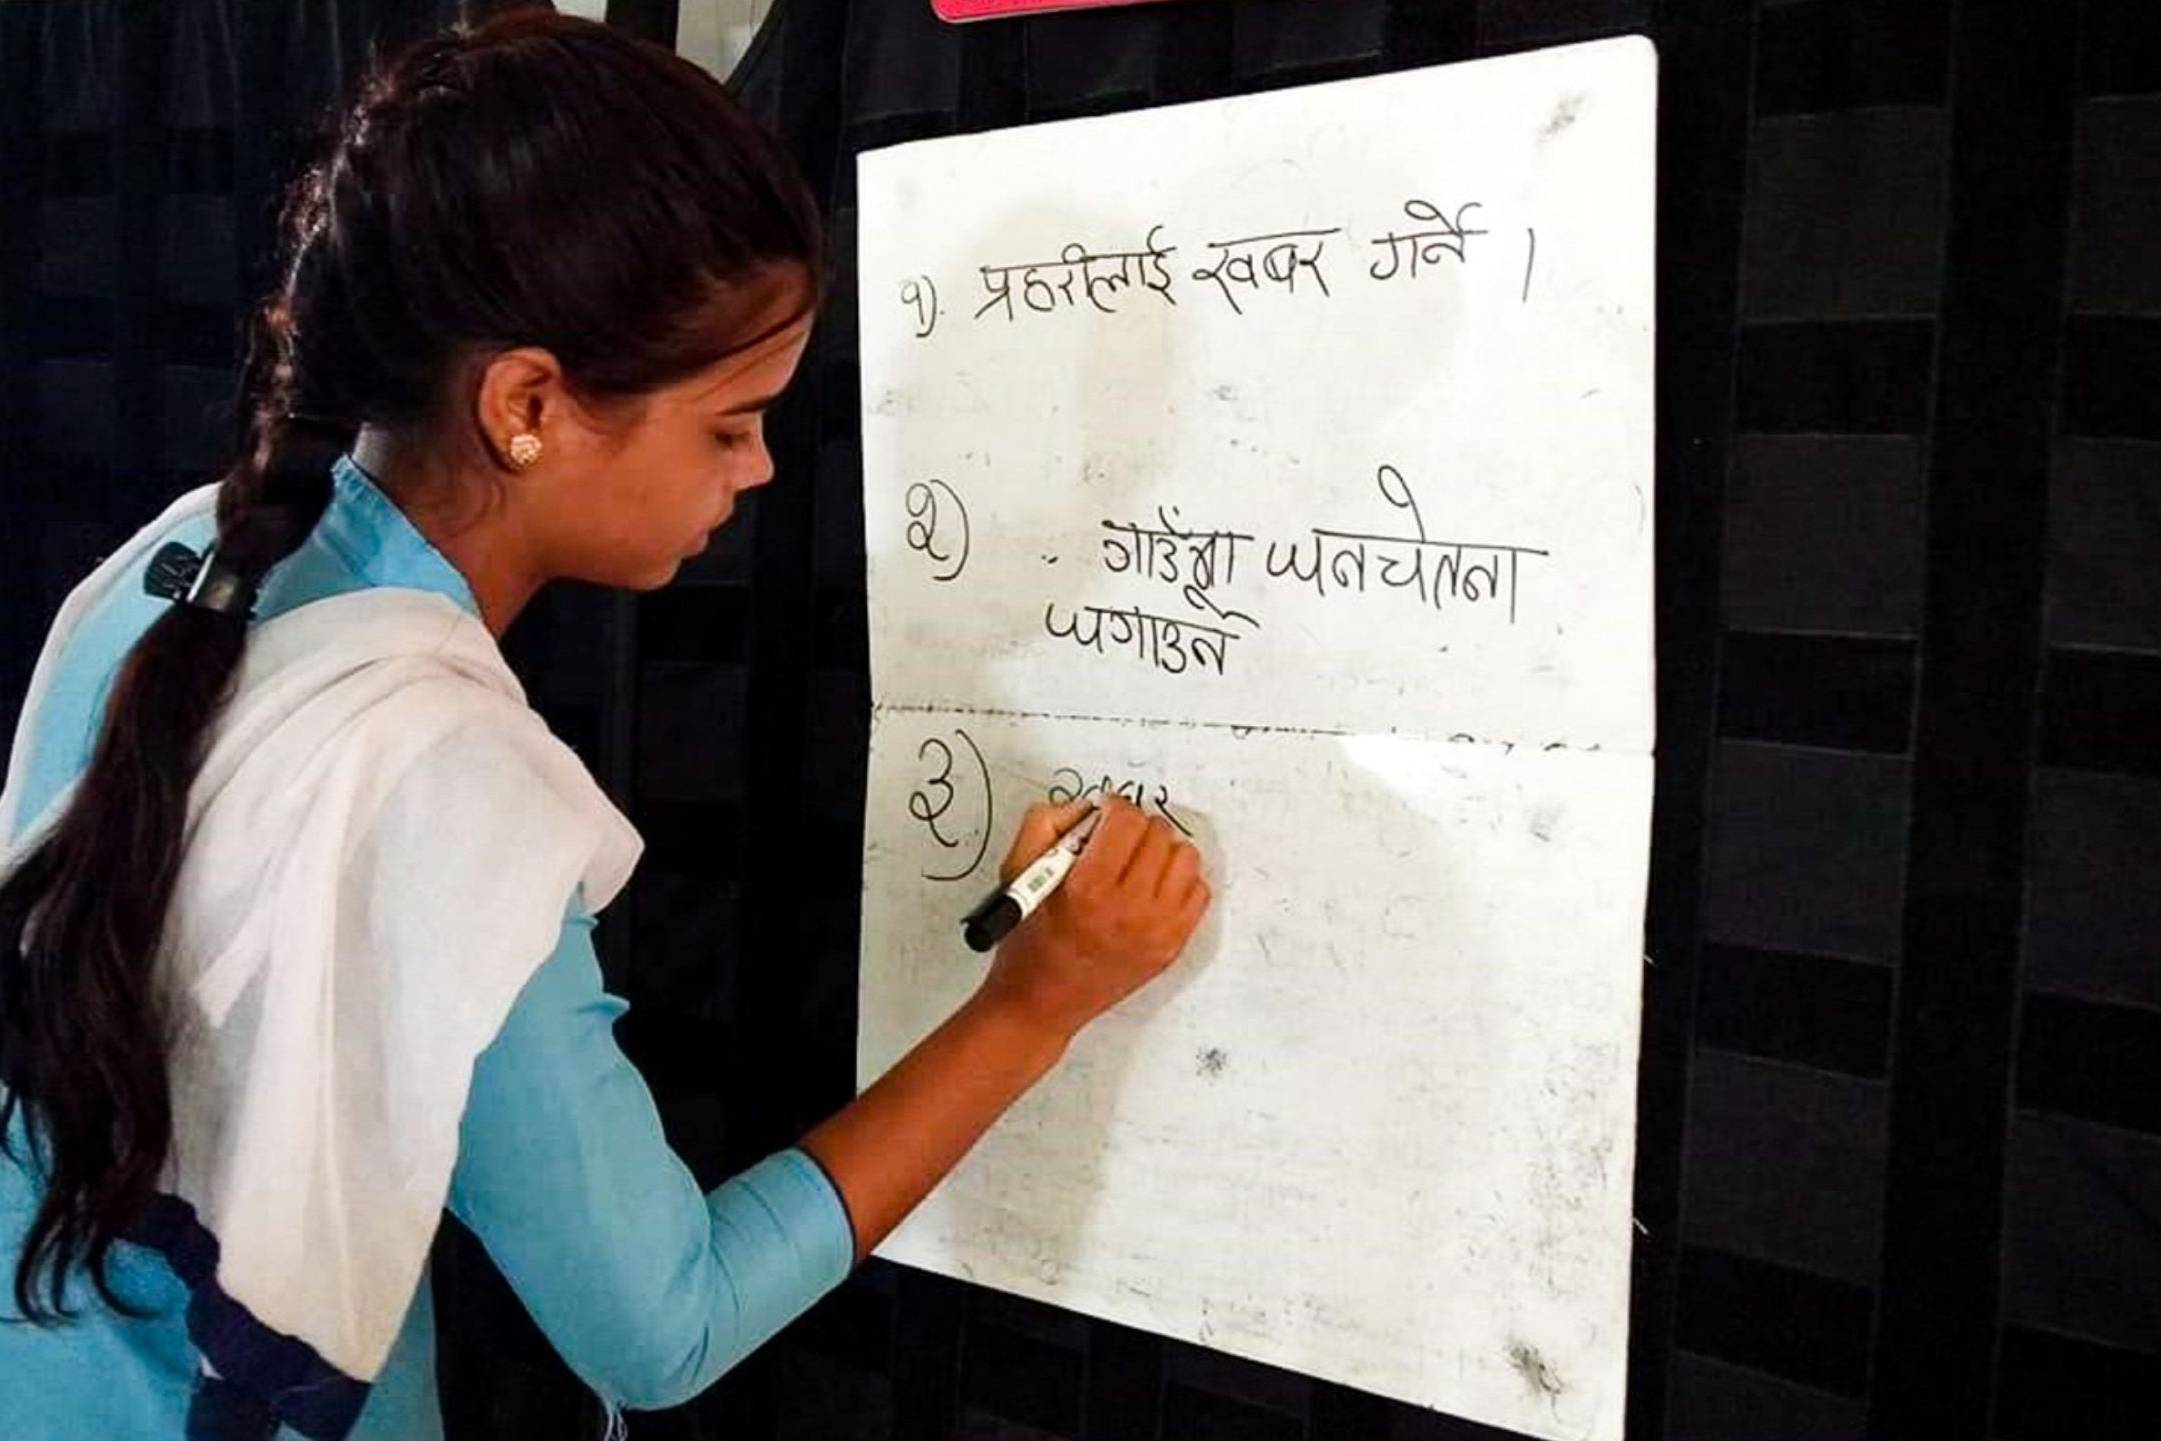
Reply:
x=1120, y=917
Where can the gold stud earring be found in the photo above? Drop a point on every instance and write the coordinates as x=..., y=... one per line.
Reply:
x=524, y=449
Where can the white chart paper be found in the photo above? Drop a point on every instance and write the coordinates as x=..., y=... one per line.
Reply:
x=1285, y=463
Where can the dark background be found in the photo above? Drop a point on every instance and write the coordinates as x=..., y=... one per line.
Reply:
x=1899, y=1167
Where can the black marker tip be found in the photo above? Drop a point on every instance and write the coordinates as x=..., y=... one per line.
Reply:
x=990, y=923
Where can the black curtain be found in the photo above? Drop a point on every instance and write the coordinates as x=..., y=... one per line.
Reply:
x=1899, y=1153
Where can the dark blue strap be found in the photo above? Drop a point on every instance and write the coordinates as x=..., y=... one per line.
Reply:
x=222, y=1411
x=280, y=1377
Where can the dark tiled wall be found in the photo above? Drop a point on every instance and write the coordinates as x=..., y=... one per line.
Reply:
x=1899, y=1147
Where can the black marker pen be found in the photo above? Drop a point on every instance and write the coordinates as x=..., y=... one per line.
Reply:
x=1002, y=910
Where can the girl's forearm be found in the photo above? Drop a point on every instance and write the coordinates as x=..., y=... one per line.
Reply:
x=887, y=1148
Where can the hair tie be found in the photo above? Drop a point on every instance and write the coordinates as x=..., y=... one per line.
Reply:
x=220, y=588
x=204, y=581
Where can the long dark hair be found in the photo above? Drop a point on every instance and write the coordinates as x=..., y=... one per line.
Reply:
x=540, y=180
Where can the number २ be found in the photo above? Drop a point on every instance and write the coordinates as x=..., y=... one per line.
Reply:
x=923, y=532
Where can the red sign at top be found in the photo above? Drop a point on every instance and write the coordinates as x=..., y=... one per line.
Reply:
x=995, y=9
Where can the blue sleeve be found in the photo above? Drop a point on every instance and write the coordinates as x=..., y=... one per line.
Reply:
x=647, y=1288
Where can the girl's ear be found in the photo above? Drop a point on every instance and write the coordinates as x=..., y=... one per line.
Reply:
x=521, y=392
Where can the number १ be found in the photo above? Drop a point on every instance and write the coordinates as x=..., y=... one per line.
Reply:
x=920, y=294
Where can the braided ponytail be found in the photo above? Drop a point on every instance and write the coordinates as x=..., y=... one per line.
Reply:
x=77, y=983
x=541, y=180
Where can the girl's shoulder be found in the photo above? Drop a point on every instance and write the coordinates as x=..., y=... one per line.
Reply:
x=100, y=618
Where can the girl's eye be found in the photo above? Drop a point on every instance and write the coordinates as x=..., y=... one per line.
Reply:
x=732, y=439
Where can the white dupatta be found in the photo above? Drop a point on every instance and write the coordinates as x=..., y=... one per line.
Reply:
x=380, y=845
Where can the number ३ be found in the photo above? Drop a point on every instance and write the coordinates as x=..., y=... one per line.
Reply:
x=933, y=797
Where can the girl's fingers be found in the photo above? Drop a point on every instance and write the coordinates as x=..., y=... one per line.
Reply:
x=1039, y=831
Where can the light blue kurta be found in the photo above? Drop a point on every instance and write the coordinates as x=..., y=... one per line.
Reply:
x=648, y=1288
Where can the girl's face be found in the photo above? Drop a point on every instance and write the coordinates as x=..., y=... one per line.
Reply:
x=627, y=504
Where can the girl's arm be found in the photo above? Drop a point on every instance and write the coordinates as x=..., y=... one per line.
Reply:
x=1125, y=911
x=648, y=1287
